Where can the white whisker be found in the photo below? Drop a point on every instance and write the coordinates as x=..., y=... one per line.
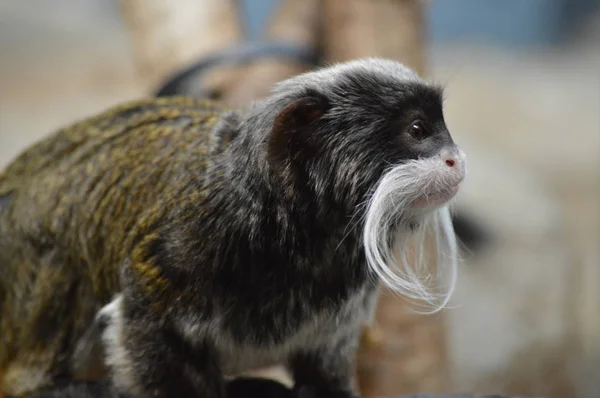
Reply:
x=392, y=222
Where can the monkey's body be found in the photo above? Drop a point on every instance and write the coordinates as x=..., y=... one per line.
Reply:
x=199, y=241
x=72, y=206
x=76, y=203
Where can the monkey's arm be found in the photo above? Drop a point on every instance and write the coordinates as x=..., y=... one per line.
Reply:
x=147, y=352
x=149, y=358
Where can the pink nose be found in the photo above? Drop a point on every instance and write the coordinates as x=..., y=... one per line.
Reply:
x=454, y=158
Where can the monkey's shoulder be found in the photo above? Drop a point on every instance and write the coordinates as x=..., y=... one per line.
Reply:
x=142, y=130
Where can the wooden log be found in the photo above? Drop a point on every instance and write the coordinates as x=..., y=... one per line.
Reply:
x=168, y=35
x=403, y=352
x=294, y=22
x=381, y=28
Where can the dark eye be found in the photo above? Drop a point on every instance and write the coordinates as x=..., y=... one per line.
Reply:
x=417, y=130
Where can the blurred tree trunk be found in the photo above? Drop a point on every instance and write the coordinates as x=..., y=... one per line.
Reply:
x=374, y=28
x=294, y=22
x=168, y=35
x=403, y=352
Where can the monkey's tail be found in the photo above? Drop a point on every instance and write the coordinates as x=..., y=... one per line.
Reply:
x=179, y=83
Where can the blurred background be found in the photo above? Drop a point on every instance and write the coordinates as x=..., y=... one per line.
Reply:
x=522, y=84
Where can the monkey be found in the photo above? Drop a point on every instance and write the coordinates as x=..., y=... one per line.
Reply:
x=198, y=241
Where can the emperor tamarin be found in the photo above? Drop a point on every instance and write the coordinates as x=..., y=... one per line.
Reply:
x=210, y=241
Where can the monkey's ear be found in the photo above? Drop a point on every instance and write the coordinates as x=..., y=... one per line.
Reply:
x=293, y=126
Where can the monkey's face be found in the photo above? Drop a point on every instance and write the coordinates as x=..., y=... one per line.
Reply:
x=364, y=137
x=347, y=130
x=425, y=157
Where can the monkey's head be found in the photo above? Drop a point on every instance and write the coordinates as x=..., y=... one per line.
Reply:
x=371, y=132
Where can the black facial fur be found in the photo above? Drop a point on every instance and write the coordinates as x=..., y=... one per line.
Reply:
x=359, y=126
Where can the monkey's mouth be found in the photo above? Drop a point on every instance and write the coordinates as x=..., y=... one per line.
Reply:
x=434, y=199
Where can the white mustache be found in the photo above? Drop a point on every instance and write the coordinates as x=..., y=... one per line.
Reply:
x=387, y=234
